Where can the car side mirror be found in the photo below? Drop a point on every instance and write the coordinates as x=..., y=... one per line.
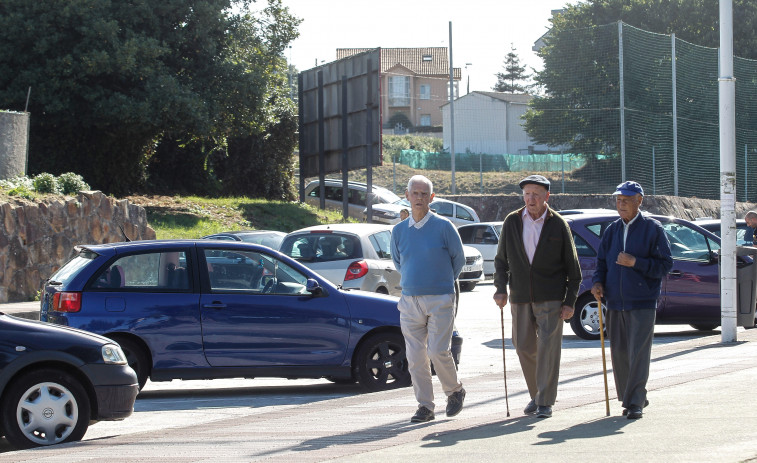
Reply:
x=313, y=287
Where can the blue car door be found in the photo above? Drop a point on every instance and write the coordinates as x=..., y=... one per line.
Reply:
x=257, y=313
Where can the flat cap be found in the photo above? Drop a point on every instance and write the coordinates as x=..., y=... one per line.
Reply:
x=535, y=180
x=629, y=189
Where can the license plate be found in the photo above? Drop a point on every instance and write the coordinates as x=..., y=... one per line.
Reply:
x=468, y=268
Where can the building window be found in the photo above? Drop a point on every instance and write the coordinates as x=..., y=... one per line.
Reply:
x=425, y=92
x=426, y=120
x=399, y=91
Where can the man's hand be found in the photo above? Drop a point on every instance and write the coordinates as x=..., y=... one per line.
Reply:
x=626, y=260
x=598, y=290
x=566, y=313
x=500, y=299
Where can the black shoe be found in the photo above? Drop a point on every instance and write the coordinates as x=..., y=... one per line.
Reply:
x=634, y=412
x=455, y=402
x=530, y=408
x=544, y=411
x=625, y=410
x=422, y=415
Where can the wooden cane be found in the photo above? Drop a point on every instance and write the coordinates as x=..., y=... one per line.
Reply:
x=604, y=361
x=504, y=363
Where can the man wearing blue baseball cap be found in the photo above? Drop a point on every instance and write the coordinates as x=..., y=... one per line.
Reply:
x=634, y=256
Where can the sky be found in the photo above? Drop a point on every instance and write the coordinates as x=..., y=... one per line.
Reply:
x=482, y=31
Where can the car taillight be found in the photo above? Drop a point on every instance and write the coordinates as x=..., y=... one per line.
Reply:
x=357, y=269
x=67, y=301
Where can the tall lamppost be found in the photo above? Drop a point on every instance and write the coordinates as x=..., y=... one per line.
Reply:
x=467, y=90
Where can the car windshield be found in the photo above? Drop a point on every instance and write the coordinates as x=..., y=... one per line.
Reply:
x=322, y=247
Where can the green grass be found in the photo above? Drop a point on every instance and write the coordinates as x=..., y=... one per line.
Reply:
x=194, y=217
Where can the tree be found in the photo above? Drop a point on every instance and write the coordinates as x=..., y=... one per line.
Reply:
x=113, y=79
x=508, y=81
x=580, y=77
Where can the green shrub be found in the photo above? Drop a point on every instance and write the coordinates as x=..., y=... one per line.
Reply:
x=71, y=183
x=45, y=183
x=21, y=181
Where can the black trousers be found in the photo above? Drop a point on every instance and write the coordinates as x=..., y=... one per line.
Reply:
x=631, y=333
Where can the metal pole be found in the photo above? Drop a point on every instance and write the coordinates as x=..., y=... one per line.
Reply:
x=727, y=103
x=654, y=174
x=562, y=165
x=345, y=152
x=622, y=104
x=746, y=175
x=675, y=118
x=321, y=144
x=369, y=143
x=451, y=111
x=301, y=135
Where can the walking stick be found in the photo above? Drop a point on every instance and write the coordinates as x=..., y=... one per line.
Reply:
x=504, y=363
x=604, y=362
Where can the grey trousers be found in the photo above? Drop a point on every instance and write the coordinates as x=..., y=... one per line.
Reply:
x=537, y=337
x=631, y=333
x=427, y=324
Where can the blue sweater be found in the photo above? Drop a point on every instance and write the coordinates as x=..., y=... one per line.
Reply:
x=429, y=259
x=637, y=287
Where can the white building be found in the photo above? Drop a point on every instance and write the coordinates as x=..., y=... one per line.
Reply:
x=490, y=123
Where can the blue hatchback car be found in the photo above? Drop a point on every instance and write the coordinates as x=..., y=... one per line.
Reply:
x=202, y=309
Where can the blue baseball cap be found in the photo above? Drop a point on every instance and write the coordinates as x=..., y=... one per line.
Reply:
x=629, y=189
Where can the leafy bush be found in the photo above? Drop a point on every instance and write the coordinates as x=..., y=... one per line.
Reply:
x=45, y=183
x=20, y=181
x=71, y=183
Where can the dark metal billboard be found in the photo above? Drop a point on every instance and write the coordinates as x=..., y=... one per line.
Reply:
x=340, y=119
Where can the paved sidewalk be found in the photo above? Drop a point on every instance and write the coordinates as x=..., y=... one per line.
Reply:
x=702, y=408
x=28, y=310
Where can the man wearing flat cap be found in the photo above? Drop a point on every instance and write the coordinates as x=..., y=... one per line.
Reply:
x=536, y=257
x=633, y=258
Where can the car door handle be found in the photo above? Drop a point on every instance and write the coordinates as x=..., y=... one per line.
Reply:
x=676, y=273
x=215, y=305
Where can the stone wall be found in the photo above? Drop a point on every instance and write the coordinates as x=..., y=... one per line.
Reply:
x=36, y=238
x=494, y=208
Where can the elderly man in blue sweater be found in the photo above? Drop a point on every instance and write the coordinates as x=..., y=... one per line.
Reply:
x=633, y=258
x=428, y=252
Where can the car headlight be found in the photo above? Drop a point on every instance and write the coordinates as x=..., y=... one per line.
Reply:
x=113, y=354
x=386, y=214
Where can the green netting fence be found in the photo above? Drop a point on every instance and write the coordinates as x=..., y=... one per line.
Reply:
x=629, y=104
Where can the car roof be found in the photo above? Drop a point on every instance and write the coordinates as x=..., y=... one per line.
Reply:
x=706, y=222
x=356, y=228
x=493, y=224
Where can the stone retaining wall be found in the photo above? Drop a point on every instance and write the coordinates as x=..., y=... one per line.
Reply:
x=494, y=208
x=36, y=238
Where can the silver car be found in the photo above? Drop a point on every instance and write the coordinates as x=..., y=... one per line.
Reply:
x=357, y=198
x=457, y=213
x=354, y=255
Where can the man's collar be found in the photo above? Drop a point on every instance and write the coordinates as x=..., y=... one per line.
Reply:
x=412, y=223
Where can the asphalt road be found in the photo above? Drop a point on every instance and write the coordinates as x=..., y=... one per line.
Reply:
x=189, y=405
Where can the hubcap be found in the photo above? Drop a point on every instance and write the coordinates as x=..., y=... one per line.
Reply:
x=47, y=413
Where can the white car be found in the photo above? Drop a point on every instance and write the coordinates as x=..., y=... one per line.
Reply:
x=457, y=213
x=483, y=236
x=358, y=256
x=354, y=255
x=357, y=196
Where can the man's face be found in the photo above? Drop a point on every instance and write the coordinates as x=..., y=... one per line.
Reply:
x=535, y=197
x=751, y=221
x=628, y=206
x=419, y=197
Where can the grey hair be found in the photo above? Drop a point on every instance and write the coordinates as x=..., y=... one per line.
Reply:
x=420, y=179
x=751, y=214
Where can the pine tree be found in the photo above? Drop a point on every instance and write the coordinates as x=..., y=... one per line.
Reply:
x=508, y=81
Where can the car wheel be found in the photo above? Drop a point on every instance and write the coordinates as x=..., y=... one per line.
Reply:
x=382, y=290
x=704, y=326
x=137, y=358
x=45, y=407
x=467, y=286
x=381, y=362
x=585, y=321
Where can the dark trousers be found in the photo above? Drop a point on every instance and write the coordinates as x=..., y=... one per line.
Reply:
x=631, y=333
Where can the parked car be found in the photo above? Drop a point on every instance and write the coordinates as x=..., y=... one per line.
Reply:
x=483, y=236
x=353, y=255
x=55, y=382
x=713, y=226
x=457, y=213
x=269, y=238
x=203, y=309
x=357, y=200
x=358, y=256
x=690, y=292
